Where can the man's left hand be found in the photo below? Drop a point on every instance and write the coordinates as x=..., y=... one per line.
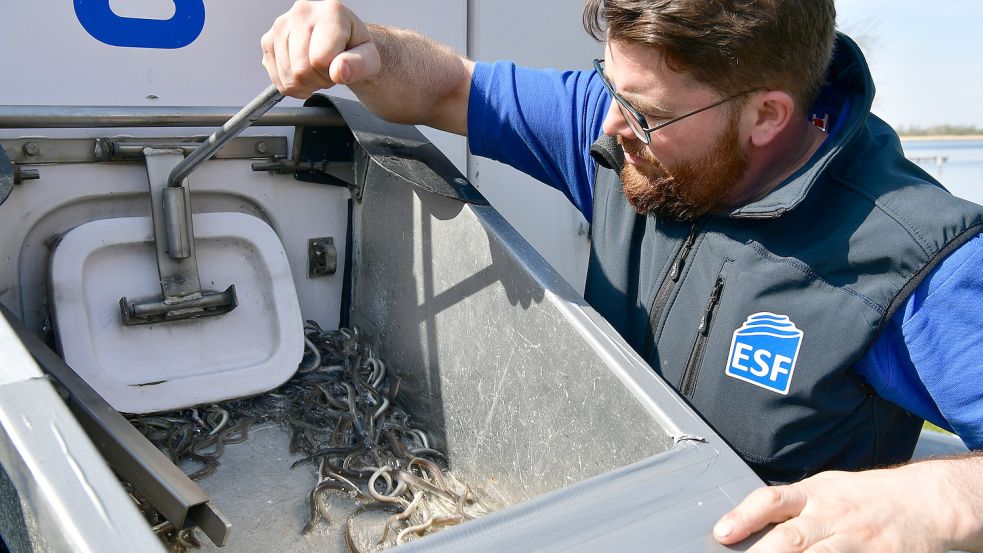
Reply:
x=915, y=508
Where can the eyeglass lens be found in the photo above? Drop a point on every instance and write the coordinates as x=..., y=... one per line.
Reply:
x=633, y=123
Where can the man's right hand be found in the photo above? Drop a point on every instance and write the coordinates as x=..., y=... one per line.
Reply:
x=316, y=45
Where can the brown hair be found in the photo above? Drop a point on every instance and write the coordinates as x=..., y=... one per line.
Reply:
x=729, y=45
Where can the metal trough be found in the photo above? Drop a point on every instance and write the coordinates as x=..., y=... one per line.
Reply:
x=532, y=395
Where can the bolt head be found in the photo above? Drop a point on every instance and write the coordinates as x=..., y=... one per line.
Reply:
x=262, y=147
x=32, y=149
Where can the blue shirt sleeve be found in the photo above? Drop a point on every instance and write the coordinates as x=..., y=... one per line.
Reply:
x=540, y=121
x=929, y=360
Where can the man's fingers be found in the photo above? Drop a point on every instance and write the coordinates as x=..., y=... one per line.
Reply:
x=316, y=45
x=359, y=33
x=281, y=52
x=326, y=43
x=794, y=536
x=361, y=62
x=298, y=45
x=762, y=507
x=269, y=60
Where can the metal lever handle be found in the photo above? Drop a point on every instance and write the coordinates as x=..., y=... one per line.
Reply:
x=239, y=122
x=183, y=297
x=175, y=198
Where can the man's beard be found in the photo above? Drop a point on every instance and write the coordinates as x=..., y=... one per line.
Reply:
x=685, y=190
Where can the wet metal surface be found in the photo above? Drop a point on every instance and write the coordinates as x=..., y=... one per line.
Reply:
x=344, y=416
x=264, y=499
x=267, y=502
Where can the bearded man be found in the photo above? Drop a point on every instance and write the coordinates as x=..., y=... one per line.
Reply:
x=740, y=192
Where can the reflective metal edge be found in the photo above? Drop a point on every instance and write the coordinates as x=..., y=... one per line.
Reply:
x=70, y=499
x=127, y=451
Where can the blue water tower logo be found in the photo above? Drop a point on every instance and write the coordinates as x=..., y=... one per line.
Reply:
x=764, y=350
x=180, y=30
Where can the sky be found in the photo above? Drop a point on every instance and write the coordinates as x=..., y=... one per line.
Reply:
x=926, y=58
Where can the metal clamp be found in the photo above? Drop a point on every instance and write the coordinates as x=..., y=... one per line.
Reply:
x=177, y=263
x=180, y=283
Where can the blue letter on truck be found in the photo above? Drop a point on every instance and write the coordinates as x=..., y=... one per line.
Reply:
x=177, y=32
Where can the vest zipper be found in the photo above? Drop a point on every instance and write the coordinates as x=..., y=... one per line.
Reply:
x=665, y=289
x=688, y=383
x=677, y=266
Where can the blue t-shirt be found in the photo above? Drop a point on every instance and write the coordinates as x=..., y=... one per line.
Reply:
x=928, y=359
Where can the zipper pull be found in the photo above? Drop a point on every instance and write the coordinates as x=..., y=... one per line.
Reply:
x=677, y=266
x=718, y=289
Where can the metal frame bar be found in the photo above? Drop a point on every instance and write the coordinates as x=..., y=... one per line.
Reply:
x=71, y=117
x=40, y=151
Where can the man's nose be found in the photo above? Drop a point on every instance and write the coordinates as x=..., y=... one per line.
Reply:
x=615, y=124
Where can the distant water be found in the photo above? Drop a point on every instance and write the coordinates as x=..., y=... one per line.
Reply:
x=961, y=169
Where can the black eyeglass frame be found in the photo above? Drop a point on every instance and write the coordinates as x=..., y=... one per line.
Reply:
x=643, y=132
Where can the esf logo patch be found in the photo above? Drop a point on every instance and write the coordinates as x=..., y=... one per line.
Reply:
x=763, y=351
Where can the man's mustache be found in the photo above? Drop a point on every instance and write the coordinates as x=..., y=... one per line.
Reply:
x=637, y=149
x=633, y=147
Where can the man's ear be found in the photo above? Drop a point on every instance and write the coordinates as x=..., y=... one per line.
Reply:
x=769, y=113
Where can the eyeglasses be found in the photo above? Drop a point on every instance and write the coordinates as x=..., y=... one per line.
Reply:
x=636, y=121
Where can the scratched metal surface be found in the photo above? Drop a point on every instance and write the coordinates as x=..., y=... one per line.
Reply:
x=514, y=391
x=67, y=496
x=56, y=492
x=536, y=399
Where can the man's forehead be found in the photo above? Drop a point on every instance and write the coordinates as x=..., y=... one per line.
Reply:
x=641, y=72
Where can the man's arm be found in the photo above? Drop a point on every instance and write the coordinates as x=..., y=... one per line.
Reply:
x=927, y=506
x=400, y=75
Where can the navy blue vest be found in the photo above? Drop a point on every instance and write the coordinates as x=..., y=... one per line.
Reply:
x=757, y=317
